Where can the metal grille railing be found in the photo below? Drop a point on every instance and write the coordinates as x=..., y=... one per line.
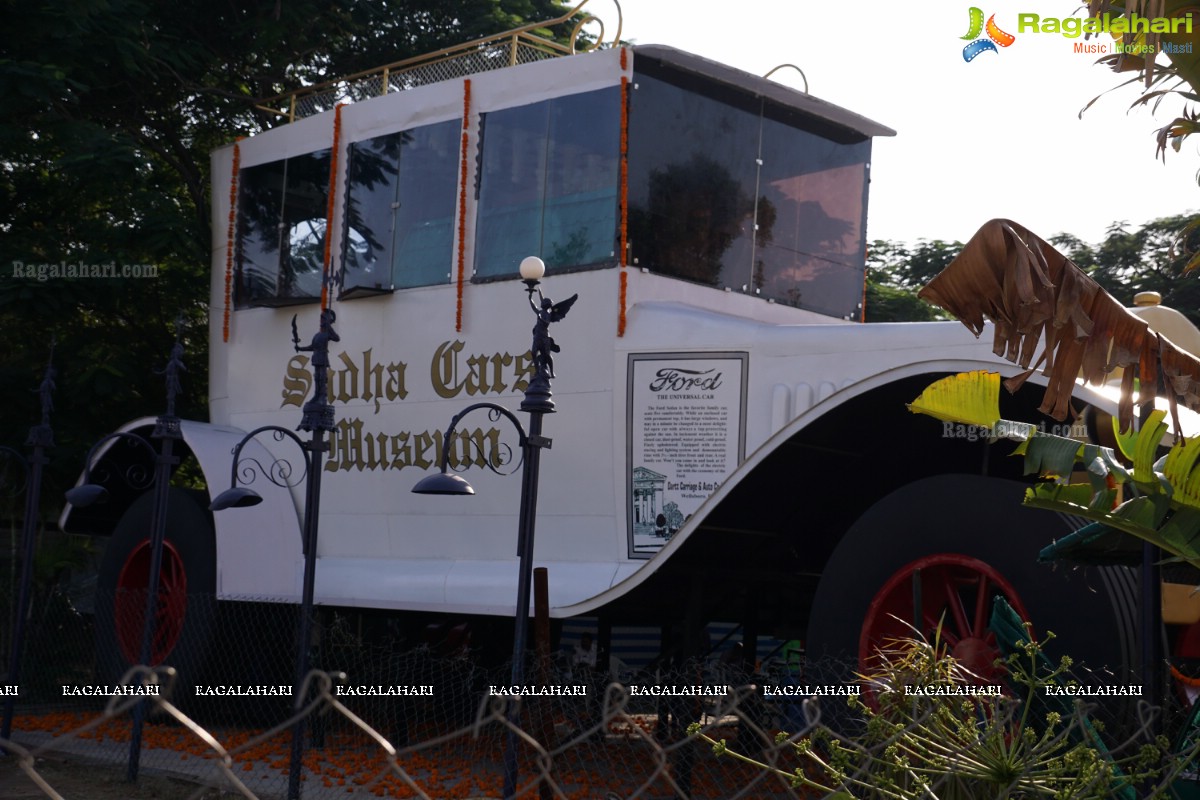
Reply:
x=518, y=46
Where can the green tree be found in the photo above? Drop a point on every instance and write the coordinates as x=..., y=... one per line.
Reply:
x=1177, y=78
x=110, y=112
x=895, y=271
x=1152, y=257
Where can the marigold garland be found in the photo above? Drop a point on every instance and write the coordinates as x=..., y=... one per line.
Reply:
x=462, y=206
x=623, y=292
x=233, y=189
x=624, y=198
x=333, y=169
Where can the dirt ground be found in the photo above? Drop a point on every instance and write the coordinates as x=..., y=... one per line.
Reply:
x=73, y=780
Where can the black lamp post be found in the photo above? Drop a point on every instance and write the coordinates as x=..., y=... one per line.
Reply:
x=538, y=403
x=317, y=420
x=167, y=432
x=40, y=438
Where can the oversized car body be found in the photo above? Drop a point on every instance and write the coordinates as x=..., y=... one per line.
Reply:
x=730, y=442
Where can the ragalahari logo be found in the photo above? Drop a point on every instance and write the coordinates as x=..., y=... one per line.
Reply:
x=979, y=44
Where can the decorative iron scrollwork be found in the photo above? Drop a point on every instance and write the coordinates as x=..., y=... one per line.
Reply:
x=279, y=471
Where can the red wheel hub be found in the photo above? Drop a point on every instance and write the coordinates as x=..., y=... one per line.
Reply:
x=130, y=604
x=1186, y=669
x=951, y=589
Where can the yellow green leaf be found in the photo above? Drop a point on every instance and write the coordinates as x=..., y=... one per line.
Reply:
x=1181, y=471
x=1075, y=498
x=972, y=398
x=1125, y=441
x=1145, y=451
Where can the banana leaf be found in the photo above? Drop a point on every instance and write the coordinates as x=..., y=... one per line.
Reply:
x=972, y=398
x=1077, y=499
x=1043, y=305
x=1165, y=510
x=1182, y=534
x=1048, y=455
x=1140, y=516
x=1094, y=543
x=1145, y=451
x=1181, y=470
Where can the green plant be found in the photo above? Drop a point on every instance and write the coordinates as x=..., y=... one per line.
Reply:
x=1160, y=501
x=930, y=730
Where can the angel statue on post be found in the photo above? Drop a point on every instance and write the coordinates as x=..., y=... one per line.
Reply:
x=537, y=395
x=543, y=344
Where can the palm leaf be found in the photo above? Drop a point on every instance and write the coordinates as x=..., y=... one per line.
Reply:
x=1187, y=65
x=1182, y=71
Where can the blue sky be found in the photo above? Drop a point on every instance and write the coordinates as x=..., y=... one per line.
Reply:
x=1000, y=136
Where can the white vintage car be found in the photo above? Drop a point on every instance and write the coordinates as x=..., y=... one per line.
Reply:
x=730, y=443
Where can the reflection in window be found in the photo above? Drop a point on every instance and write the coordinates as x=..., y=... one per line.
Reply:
x=691, y=184
x=400, y=208
x=722, y=195
x=370, y=206
x=814, y=256
x=281, y=239
x=260, y=224
x=548, y=183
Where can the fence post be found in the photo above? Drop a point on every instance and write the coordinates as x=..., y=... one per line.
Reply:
x=541, y=635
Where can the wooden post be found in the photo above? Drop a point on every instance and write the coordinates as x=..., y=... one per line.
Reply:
x=750, y=635
x=604, y=649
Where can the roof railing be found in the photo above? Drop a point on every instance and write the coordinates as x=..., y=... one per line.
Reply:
x=521, y=45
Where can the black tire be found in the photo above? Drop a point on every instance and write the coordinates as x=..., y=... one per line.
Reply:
x=1091, y=611
x=190, y=546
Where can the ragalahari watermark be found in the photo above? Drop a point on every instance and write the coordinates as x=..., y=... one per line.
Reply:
x=1005, y=429
x=75, y=270
x=1131, y=34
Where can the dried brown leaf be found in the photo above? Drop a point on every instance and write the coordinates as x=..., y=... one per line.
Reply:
x=1035, y=295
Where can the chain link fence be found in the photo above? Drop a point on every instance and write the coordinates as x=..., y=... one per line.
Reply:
x=392, y=713
x=565, y=750
x=387, y=717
